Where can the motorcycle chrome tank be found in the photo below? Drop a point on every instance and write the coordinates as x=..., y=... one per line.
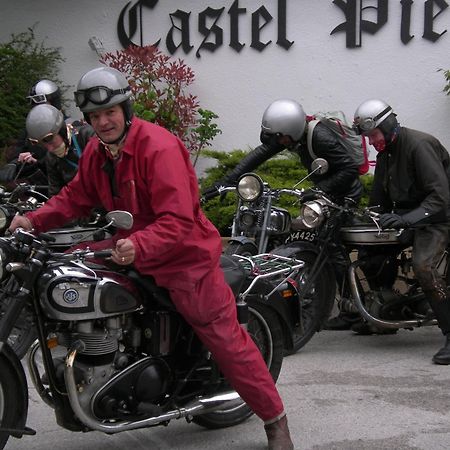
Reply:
x=74, y=291
x=369, y=235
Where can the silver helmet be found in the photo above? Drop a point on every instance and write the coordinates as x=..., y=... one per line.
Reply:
x=44, y=121
x=45, y=91
x=101, y=88
x=370, y=114
x=285, y=117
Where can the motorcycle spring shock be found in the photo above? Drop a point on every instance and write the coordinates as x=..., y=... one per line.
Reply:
x=262, y=206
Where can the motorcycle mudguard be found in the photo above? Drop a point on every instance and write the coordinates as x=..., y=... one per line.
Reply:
x=243, y=240
x=9, y=357
x=281, y=308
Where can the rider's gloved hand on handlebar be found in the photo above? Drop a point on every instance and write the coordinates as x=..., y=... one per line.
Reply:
x=308, y=195
x=391, y=220
x=213, y=191
x=416, y=216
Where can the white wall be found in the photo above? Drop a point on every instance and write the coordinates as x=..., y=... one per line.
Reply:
x=318, y=70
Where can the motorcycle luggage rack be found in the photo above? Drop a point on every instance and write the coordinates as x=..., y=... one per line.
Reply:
x=267, y=265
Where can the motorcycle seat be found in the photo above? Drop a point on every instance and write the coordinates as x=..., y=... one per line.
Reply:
x=234, y=273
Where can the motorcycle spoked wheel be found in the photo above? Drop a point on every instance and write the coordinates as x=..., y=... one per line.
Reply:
x=237, y=248
x=24, y=332
x=317, y=303
x=10, y=407
x=265, y=330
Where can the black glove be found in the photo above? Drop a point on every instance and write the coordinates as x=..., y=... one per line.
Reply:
x=213, y=191
x=390, y=220
x=308, y=195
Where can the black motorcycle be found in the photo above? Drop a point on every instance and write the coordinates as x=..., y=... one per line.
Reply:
x=116, y=354
x=260, y=226
x=378, y=282
x=22, y=199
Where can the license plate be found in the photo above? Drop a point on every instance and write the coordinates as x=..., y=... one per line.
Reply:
x=309, y=236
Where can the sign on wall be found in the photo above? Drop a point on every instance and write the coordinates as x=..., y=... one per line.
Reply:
x=206, y=30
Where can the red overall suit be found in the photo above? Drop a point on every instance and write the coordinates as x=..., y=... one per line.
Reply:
x=174, y=242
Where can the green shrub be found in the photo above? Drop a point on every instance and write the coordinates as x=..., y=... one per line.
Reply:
x=282, y=171
x=23, y=61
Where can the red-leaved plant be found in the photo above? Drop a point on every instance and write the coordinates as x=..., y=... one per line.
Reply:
x=158, y=84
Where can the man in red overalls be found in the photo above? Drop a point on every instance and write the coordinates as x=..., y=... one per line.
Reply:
x=137, y=166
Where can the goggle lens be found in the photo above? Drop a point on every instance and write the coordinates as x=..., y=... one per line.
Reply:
x=37, y=99
x=47, y=139
x=98, y=95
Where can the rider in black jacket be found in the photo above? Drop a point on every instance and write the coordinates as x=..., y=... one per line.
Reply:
x=411, y=186
x=284, y=126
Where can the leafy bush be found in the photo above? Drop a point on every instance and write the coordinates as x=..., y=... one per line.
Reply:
x=23, y=61
x=159, y=87
x=281, y=171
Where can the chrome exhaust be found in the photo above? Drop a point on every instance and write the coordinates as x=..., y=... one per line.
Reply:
x=374, y=320
x=199, y=406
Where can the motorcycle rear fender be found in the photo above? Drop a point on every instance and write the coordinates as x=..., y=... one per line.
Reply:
x=281, y=308
x=9, y=357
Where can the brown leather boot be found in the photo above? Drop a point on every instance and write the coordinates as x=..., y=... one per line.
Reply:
x=278, y=435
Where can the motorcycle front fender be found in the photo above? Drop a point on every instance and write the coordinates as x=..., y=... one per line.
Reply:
x=7, y=356
x=242, y=240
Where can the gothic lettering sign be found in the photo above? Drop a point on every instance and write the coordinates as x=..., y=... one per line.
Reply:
x=211, y=28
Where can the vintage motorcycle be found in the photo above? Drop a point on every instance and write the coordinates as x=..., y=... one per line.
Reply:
x=260, y=226
x=131, y=361
x=22, y=199
x=379, y=281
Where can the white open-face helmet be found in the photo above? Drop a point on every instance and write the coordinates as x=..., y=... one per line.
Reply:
x=370, y=114
x=43, y=122
x=101, y=88
x=284, y=117
x=45, y=91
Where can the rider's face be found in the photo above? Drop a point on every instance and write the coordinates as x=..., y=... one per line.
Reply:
x=376, y=138
x=108, y=123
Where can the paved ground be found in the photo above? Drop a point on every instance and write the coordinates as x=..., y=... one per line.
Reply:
x=342, y=392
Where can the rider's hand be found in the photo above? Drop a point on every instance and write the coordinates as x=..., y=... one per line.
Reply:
x=20, y=222
x=27, y=157
x=213, y=191
x=124, y=253
x=390, y=220
x=308, y=195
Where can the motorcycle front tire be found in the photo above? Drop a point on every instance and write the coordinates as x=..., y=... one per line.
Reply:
x=317, y=303
x=12, y=403
x=265, y=329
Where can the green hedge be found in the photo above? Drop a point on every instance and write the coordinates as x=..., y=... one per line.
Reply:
x=283, y=171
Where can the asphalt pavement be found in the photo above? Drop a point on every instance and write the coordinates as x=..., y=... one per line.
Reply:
x=341, y=392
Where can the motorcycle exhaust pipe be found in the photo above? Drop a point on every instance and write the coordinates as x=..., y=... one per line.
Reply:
x=374, y=320
x=199, y=406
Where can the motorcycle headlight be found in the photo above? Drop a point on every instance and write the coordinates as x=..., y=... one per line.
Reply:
x=250, y=187
x=311, y=215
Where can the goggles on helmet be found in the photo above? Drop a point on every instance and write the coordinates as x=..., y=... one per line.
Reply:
x=37, y=99
x=369, y=123
x=47, y=139
x=98, y=95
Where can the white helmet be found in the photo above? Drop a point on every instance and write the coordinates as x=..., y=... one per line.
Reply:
x=285, y=117
x=45, y=91
x=44, y=121
x=101, y=88
x=371, y=114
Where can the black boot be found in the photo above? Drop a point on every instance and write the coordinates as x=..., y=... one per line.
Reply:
x=443, y=355
x=278, y=435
